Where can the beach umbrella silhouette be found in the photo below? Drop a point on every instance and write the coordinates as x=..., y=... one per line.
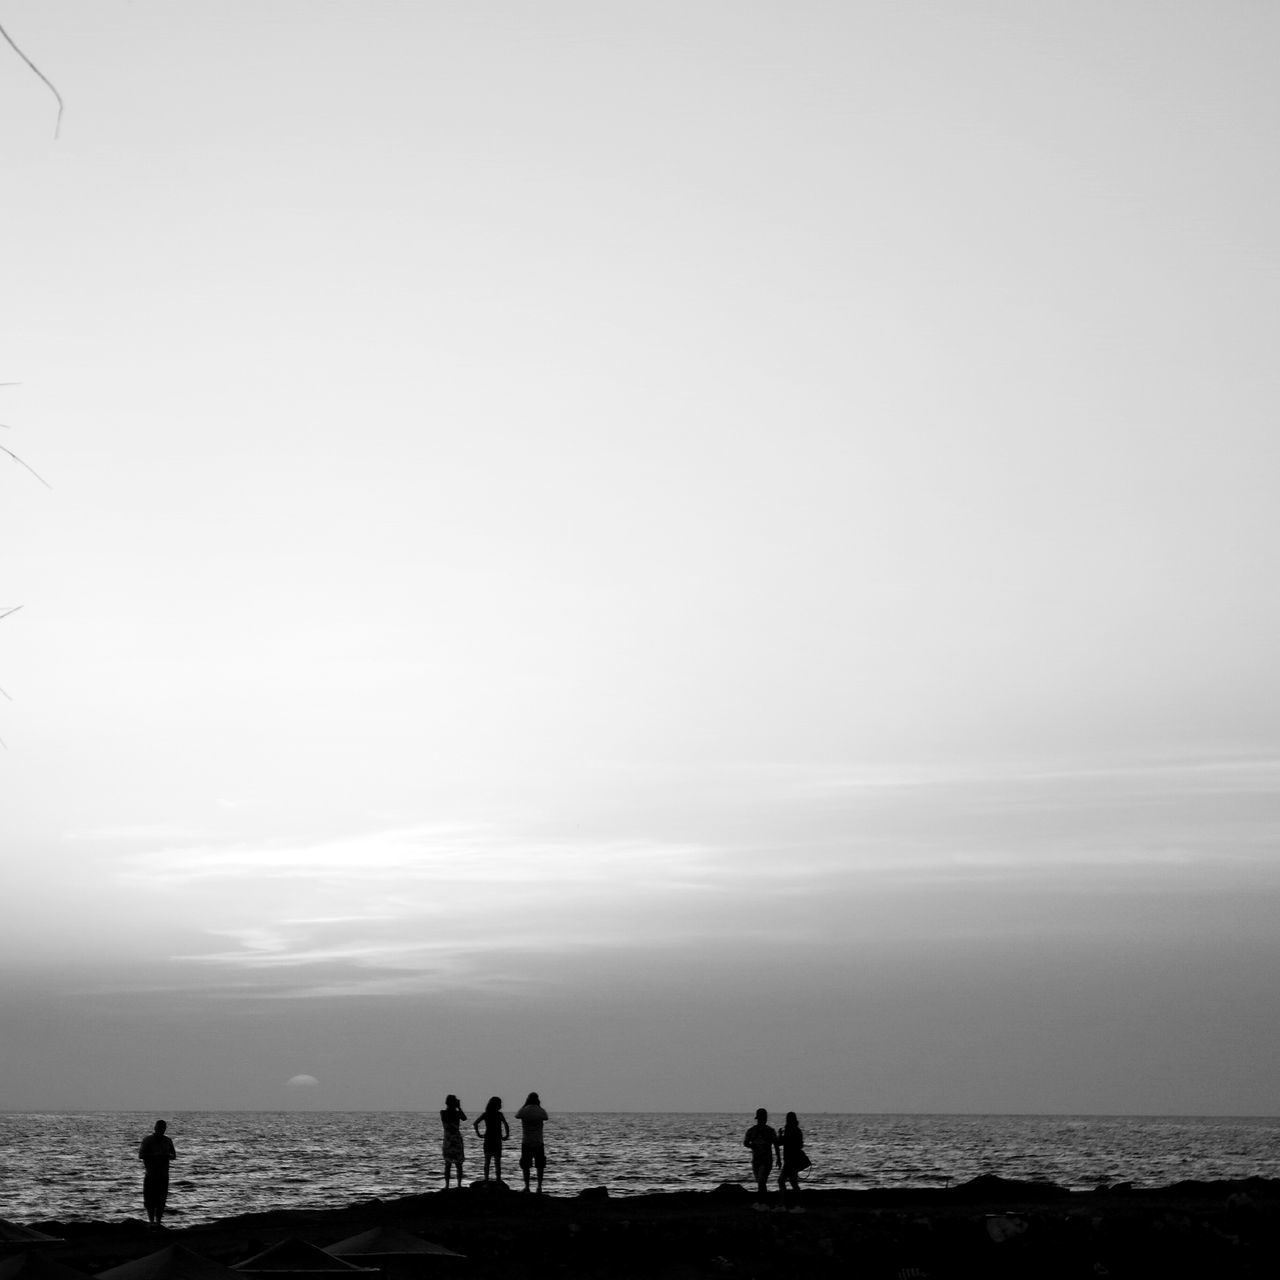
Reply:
x=173, y=1263
x=386, y=1242
x=398, y=1254
x=14, y=1235
x=298, y=1258
x=37, y=1266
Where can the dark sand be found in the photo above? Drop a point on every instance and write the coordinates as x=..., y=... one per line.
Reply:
x=989, y=1227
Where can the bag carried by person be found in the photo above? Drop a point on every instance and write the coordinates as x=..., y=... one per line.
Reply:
x=803, y=1162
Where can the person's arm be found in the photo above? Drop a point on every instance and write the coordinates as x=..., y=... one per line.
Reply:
x=477, y=1124
x=506, y=1129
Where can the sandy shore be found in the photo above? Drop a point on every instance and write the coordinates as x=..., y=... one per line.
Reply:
x=989, y=1227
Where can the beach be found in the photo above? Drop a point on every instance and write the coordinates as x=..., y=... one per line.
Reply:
x=988, y=1226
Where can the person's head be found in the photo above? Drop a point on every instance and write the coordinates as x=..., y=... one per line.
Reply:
x=161, y=1126
x=494, y=1104
x=451, y=1103
x=533, y=1101
x=762, y=1115
x=792, y=1122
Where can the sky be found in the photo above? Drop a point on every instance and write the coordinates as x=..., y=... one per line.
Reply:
x=685, y=556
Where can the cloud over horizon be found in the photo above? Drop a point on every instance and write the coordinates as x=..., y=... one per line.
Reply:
x=744, y=526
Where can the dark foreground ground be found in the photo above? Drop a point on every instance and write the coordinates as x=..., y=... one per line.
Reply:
x=988, y=1227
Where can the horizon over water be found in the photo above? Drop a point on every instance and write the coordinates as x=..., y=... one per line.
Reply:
x=80, y=1166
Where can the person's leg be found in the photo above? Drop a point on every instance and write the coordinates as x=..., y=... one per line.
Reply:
x=542, y=1165
x=524, y=1168
x=497, y=1165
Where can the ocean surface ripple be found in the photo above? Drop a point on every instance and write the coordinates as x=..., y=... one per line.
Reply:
x=84, y=1166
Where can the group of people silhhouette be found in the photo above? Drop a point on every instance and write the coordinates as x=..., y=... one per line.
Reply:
x=491, y=1125
x=765, y=1143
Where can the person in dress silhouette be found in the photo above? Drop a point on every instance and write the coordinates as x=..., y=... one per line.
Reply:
x=532, y=1153
x=794, y=1159
x=452, y=1118
x=496, y=1131
x=763, y=1141
x=156, y=1151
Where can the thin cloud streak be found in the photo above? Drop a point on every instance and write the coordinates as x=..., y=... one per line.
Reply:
x=135, y=833
x=444, y=905
x=1227, y=775
x=459, y=855
x=280, y=954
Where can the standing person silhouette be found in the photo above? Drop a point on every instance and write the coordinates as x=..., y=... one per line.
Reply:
x=452, y=1118
x=532, y=1153
x=763, y=1141
x=496, y=1131
x=794, y=1159
x=156, y=1151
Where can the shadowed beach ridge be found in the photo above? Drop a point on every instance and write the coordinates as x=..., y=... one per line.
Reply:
x=989, y=1226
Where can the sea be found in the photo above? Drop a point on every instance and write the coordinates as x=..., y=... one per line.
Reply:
x=83, y=1166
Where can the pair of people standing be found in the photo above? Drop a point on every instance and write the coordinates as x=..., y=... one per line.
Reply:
x=491, y=1125
x=765, y=1142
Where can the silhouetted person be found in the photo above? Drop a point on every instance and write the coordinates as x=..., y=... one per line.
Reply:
x=791, y=1140
x=496, y=1131
x=532, y=1153
x=763, y=1141
x=452, y=1118
x=155, y=1152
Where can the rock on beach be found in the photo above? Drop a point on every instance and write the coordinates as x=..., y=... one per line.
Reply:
x=990, y=1227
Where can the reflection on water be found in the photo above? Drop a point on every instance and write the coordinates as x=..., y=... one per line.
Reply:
x=85, y=1166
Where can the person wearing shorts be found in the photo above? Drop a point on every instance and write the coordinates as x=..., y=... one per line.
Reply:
x=533, y=1155
x=763, y=1141
x=496, y=1131
x=451, y=1119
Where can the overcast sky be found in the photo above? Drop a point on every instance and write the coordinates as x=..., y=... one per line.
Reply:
x=680, y=555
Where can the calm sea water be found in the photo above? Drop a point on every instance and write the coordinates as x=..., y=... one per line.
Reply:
x=84, y=1166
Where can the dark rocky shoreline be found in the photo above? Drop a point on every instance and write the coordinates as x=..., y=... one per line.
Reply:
x=988, y=1227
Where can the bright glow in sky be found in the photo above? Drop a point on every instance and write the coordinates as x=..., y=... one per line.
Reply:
x=680, y=555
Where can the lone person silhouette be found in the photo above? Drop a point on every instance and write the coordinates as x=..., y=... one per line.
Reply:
x=794, y=1158
x=452, y=1118
x=496, y=1131
x=763, y=1141
x=532, y=1153
x=155, y=1152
